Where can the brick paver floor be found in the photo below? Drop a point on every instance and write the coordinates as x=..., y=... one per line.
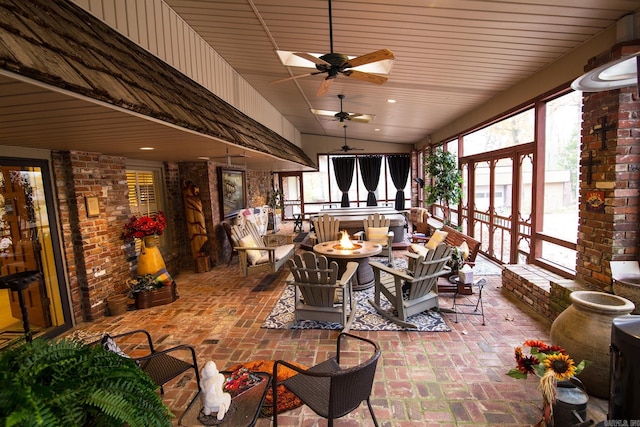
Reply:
x=439, y=379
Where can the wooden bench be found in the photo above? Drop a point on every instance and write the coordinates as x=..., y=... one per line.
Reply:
x=455, y=239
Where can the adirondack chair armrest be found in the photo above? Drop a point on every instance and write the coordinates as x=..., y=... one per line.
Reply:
x=348, y=273
x=359, y=234
x=256, y=248
x=391, y=270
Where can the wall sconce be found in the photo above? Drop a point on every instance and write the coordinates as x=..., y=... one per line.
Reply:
x=420, y=182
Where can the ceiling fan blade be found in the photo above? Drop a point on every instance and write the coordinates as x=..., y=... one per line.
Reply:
x=368, y=58
x=366, y=77
x=324, y=87
x=311, y=58
x=293, y=77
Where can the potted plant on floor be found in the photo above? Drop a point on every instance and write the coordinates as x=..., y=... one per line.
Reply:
x=70, y=384
x=445, y=183
x=149, y=291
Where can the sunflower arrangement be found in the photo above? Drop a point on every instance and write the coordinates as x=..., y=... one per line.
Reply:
x=551, y=364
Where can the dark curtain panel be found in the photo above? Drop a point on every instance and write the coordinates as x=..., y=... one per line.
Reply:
x=343, y=168
x=399, y=167
x=370, y=172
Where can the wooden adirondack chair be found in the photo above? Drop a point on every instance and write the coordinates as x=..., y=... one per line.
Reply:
x=326, y=229
x=319, y=293
x=419, y=282
x=253, y=254
x=376, y=229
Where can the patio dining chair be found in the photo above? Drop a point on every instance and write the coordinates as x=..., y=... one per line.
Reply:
x=332, y=389
x=161, y=365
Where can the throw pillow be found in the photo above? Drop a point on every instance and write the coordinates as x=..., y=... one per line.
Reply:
x=378, y=235
x=438, y=237
x=248, y=242
x=463, y=250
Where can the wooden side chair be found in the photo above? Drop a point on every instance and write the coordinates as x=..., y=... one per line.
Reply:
x=326, y=227
x=319, y=293
x=376, y=229
x=254, y=255
x=411, y=291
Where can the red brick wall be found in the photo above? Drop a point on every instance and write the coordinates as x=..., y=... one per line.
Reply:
x=611, y=235
x=93, y=250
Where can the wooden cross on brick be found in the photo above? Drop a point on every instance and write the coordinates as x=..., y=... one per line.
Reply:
x=589, y=163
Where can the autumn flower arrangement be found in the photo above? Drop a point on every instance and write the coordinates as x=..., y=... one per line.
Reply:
x=148, y=225
x=551, y=364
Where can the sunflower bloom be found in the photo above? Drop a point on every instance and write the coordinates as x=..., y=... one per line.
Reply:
x=561, y=365
x=526, y=364
x=540, y=345
x=518, y=353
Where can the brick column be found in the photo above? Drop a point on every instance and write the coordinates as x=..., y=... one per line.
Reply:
x=611, y=235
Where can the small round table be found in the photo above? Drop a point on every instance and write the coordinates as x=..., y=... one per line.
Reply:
x=363, y=279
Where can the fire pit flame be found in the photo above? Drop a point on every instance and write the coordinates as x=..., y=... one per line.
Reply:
x=345, y=243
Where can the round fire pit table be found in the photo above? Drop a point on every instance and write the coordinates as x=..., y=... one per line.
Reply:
x=363, y=279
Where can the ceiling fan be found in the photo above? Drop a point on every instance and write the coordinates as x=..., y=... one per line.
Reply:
x=343, y=116
x=345, y=148
x=334, y=63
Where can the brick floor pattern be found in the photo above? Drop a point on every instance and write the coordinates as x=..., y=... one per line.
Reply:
x=437, y=379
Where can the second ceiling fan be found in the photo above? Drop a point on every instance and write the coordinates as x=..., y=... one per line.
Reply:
x=343, y=116
x=334, y=64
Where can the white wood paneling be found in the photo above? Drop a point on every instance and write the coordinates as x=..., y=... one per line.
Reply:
x=155, y=26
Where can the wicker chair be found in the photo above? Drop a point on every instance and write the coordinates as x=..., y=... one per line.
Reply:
x=161, y=366
x=329, y=389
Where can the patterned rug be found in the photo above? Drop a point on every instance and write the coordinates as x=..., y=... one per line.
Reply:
x=366, y=319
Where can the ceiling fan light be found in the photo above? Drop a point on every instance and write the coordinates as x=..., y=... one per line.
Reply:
x=288, y=59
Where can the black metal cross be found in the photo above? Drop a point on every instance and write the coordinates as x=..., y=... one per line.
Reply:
x=590, y=162
x=602, y=128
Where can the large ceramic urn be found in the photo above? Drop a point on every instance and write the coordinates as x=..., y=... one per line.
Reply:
x=584, y=331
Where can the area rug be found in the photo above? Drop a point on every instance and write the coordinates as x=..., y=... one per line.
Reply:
x=286, y=399
x=366, y=319
x=300, y=237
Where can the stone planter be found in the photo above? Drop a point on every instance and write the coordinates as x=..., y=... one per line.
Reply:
x=160, y=296
x=584, y=331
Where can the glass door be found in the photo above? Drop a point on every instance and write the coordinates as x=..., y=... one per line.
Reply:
x=27, y=242
x=291, y=185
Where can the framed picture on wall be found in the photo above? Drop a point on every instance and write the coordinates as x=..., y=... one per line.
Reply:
x=232, y=190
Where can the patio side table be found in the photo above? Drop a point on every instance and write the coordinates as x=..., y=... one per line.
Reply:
x=247, y=404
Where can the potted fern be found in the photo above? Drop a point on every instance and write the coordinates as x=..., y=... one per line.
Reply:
x=70, y=384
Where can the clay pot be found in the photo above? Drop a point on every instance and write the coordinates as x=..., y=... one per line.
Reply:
x=584, y=331
x=628, y=287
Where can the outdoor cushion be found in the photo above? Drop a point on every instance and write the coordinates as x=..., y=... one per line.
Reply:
x=378, y=235
x=279, y=253
x=253, y=256
x=463, y=250
x=438, y=237
x=419, y=249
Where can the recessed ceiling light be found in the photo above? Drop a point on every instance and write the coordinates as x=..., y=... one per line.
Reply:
x=391, y=101
x=613, y=75
x=376, y=130
x=203, y=158
x=147, y=148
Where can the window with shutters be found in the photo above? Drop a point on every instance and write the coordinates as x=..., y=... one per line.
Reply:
x=145, y=192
